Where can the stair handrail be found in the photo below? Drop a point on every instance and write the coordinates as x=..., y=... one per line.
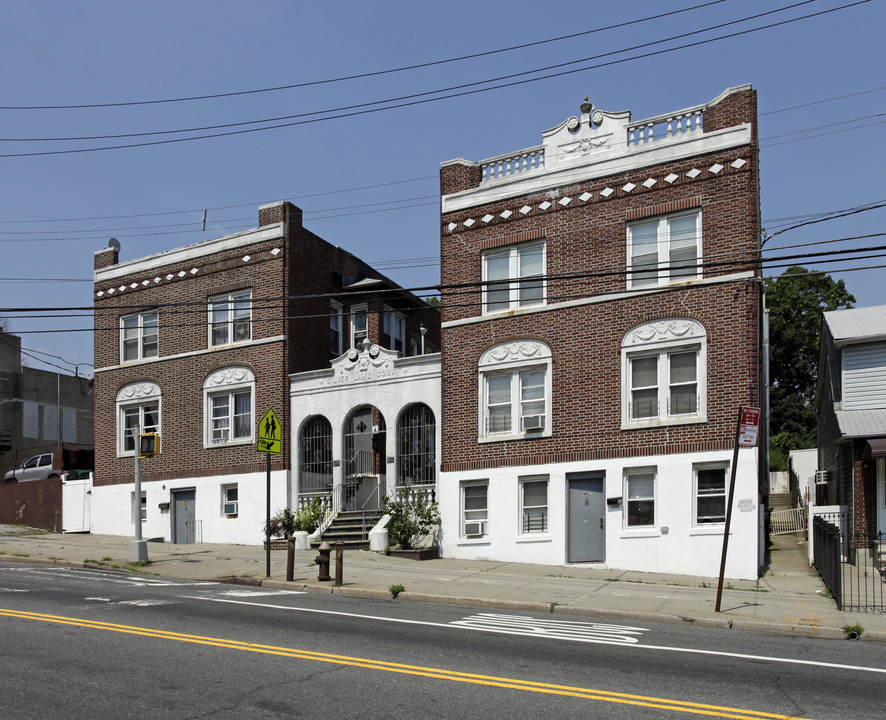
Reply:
x=332, y=509
x=374, y=495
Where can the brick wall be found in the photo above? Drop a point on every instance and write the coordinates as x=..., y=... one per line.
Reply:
x=586, y=246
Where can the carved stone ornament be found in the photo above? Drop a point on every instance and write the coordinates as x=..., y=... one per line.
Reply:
x=138, y=390
x=664, y=330
x=372, y=362
x=229, y=376
x=585, y=146
x=517, y=351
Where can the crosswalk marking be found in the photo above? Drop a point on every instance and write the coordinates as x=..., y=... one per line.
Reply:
x=556, y=629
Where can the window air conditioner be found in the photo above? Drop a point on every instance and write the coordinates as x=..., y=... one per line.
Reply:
x=474, y=529
x=241, y=331
x=230, y=508
x=220, y=436
x=533, y=423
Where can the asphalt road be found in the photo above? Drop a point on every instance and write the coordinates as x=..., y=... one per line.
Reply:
x=77, y=643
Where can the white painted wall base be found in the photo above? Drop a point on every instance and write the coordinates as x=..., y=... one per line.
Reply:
x=112, y=507
x=673, y=545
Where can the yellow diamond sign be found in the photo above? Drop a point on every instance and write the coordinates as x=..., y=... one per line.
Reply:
x=270, y=434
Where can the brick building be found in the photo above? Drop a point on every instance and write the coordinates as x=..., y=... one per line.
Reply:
x=198, y=342
x=601, y=329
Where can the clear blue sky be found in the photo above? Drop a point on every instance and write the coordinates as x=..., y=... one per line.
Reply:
x=56, y=210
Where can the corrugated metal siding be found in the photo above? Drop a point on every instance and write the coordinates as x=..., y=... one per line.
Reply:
x=864, y=377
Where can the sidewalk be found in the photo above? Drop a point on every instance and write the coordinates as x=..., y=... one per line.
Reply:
x=789, y=598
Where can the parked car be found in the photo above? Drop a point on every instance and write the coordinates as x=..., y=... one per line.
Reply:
x=38, y=467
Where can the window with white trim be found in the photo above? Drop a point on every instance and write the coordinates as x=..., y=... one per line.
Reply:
x=229, y=407
x=393, y=330
x=664, y=250
x=639, y=494
x=515, y=391
x=138, y=411
x=230, y=501
x=513, y=277
x=710, y=487
x=230, y=318
x=664, y=373
x=534, y=504
x=139, y=336
x=143, y=507
x=335, y=329
x=474, y=509
x=359, y=331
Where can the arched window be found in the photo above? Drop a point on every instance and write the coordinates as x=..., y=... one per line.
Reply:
x=138, y=404
x=315, y=447
x=363, y=438
x=228, y=407
x=416, y=446
x=664, y=371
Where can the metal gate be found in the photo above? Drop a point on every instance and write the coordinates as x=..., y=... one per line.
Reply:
x=76, y=497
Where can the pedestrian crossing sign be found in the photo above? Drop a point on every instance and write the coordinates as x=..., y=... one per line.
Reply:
x=270, y=434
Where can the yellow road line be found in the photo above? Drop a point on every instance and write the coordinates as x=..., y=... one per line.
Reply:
x=417, y=670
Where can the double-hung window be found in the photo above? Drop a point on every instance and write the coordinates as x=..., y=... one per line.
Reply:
x=515, y=390
x=229, y=407
x=710, y=494
x=230, y=318
x=534, y=502
x=664, y=250
x=335, y=330
x=639, y=497
x=513, y=277
x=393, y=330
x=475, y=509
x=359, y=330
x=138, y=336
x=138, y=411
x=230, y=501
x=664, y=371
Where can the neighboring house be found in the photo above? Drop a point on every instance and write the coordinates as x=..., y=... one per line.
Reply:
x=41, y=413
x=850, y=403
x=197, y=343
x=601, y=330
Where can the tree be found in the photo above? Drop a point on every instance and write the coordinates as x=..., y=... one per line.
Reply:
x=796, y=301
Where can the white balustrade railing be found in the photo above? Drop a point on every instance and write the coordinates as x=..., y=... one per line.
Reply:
x=511, y=164
x=410, y=493
x=665, y=126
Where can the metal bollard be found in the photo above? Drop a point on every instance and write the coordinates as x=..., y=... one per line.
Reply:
x=290, y=558
x=322, y=560
x=339, y=562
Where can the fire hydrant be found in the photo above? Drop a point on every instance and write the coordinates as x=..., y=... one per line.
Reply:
x=322, y=560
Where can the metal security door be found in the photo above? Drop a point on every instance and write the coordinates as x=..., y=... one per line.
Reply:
x=587, y=518
x=184, y=512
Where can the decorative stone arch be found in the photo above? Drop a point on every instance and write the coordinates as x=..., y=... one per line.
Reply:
x=137, y=403
x=416, y=446
x=664, y=373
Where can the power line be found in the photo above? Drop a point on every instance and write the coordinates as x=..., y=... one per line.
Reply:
x=352, y=112
x=361, y=76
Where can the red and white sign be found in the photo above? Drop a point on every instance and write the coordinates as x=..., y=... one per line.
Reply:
x=750, y=425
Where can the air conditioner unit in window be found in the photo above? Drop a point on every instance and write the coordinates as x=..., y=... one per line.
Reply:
x=220, y=436
x=532, y=423
x=475, y=529
x=230, y=508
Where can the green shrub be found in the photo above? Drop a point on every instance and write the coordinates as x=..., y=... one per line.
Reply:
x=409, y=522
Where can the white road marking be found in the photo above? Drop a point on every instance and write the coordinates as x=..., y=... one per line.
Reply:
x=456, y=625
x=3, y=589
x=98, y=599
x=558, y=629
x=260, y=593
x=101, y=575
x=145, y=603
